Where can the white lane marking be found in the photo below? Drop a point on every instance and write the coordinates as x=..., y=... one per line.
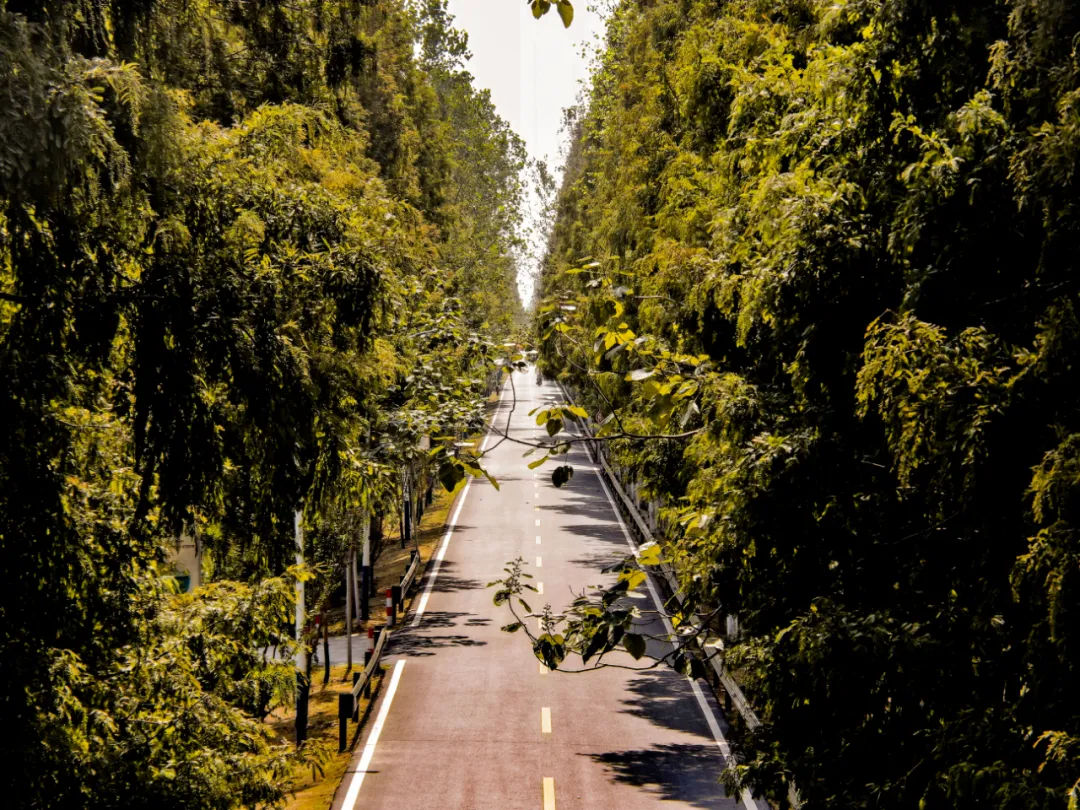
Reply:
x=538, y=521
x=540, y=588
x=545, y=720
x=537, y=539
x=422, y=604
x=373, y=739
x=539, y=562
x=543, y=669
x=549, y=793
x=710, y=715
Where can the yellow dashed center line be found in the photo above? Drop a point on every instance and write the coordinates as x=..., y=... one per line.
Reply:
x=549, y=793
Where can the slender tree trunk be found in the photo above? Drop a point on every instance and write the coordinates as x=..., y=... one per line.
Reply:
x=348, y=608
x=358, y=593
x=326, y=649
x=365, y=591
x=303, y=678
x=303, y=660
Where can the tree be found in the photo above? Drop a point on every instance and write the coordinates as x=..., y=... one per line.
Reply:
x=830, y=248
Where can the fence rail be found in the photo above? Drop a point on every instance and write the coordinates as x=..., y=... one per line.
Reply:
x=349, y=702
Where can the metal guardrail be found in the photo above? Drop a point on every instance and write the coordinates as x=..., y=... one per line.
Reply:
x=712, y=643
x=349, y=702
x=409, y=579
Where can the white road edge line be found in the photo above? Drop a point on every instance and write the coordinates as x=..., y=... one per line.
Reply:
x=373, y=739
x=710, y=715
x=422, y=604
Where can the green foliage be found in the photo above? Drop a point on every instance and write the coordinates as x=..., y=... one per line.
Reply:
x=831, y=246
x=249, y=255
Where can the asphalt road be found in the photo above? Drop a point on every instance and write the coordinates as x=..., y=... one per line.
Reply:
x=469, y=720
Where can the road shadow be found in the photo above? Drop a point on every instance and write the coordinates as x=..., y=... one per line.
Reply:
x=666, y=699
x=420, y=641
x=448, y=581
x=680, y=772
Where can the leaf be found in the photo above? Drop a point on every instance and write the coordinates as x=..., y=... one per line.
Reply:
x=450, y=475
x=578, y=411
x=566, y=12
x=534, y=464
x=639, y=374
x=560, y=475
x=525, y=605
x=649, y=554
x=634, y=644
x=513, y=627
x=633, y=578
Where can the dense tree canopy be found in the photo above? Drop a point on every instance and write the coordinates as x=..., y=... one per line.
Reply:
x=249, y=253
x=835, y=245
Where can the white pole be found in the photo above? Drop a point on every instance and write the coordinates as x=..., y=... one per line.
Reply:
x=365, y=580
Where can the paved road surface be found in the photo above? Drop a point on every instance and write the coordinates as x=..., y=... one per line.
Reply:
x=468, y=719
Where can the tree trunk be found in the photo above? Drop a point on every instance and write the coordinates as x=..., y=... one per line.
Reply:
x=303, y=660
x=326, y=649
x=348, y=608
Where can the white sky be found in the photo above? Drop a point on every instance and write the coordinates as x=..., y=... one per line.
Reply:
x=534, y=69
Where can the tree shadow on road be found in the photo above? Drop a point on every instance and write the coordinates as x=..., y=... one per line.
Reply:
x=448, y=582
x=680, y=772
x=666, y=699
x=416, y=641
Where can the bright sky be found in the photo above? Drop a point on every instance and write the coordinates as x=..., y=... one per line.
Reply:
x=534, y=69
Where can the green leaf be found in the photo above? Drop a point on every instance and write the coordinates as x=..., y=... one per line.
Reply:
x=450, y=474
x=513, y=627
x=649, y=554
x=560, y=475
x=632, y=578
x=634, y=644
x=534, y=464
x=566, y=12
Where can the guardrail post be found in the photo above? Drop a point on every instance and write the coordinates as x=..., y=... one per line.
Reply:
x=346, y=710
x=391, y=609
